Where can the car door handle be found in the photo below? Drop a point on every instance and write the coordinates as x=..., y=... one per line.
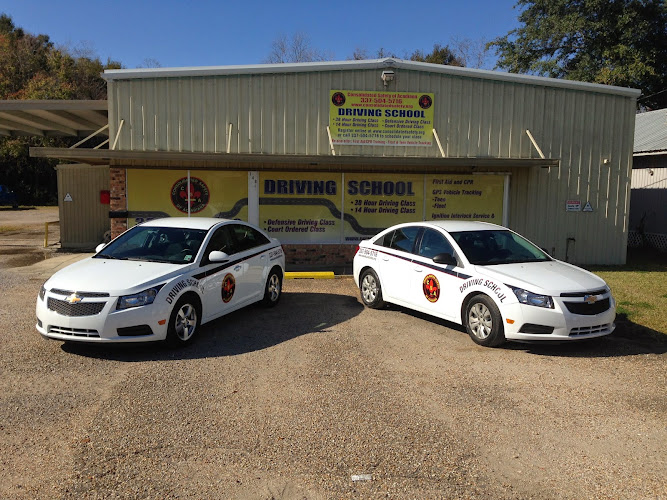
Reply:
x=418, y=269
x=237, y=268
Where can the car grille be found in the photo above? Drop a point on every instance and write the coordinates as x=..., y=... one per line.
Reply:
x=586, y=309
x=588, y=330
x=74, y=332
x=583, y=294
x=83, y=295
x=64, y=308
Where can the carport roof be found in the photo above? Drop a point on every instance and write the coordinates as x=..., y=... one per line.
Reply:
x=234, y=161
x=53, y=118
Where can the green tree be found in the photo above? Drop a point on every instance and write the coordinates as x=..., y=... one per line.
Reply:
x=32, y=68
x=612, y=42
x=439, y=55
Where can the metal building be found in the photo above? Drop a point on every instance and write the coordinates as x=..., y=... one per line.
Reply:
x=325, y=154
x=648, y=207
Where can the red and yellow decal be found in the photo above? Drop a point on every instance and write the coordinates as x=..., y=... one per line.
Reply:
x=431, y=288
x=228, y=287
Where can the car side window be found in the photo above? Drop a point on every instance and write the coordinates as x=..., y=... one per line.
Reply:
x=221, y=241
x=434, y=243
x=246, y=237
x=403, y=238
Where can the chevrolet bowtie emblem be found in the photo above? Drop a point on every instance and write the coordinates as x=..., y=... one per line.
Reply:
x=73, y=299
x=590, y=299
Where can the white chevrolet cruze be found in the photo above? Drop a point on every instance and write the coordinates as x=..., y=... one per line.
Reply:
x=483, y=276
x=160, y=280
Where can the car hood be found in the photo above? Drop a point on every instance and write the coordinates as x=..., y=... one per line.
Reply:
x=552, y=277
x=116, y=277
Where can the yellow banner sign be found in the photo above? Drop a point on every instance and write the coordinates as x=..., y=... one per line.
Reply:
x=465, y=197
x=374, y=202
x=152, y=194
x=367, y=118
x=300, y=207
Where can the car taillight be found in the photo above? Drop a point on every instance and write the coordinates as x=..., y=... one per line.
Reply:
x=357, y=250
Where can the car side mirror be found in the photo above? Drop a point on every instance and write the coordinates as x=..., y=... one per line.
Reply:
x=445, y=258
x=218, y=256
x=99, y=247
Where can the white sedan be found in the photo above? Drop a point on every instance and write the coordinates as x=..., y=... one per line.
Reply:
x=161, y=280
x=483, y=276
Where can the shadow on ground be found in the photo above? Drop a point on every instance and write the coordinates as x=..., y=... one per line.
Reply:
x=627, y=340
x=252, y=328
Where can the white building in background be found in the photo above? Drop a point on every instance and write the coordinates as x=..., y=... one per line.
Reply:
x=648, y=207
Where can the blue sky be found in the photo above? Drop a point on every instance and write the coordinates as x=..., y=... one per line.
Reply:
x=213, y=33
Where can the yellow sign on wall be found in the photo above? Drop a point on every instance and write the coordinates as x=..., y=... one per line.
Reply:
x=152, y=194
x=465, y=197
x=359, y=117
x=374, y=202
x=300, y=207
x=316, y=207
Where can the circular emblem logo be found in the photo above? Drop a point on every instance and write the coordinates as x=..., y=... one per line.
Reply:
x=425, y=102
x=338, y=99
x=431, y=288
x=228, y=287
x=199, y=195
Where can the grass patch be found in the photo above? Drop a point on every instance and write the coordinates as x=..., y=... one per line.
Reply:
x=9, y=229
x=640, y=288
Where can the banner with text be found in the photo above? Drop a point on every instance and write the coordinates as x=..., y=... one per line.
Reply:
x=381, y=118
x=152, y=194
x=374, y=202
x=465, y=197
x=300, y=207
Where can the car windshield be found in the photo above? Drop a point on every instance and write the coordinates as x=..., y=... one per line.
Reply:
x=155, y=244
x=497, y=247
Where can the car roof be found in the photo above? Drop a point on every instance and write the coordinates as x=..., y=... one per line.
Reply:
x=204, y=223
x=452, y=226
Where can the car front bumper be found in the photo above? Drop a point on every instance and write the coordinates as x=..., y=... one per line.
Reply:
x=520, y=320
x=96, y=320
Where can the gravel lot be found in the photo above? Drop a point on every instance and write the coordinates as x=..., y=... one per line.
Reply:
x=292, y=402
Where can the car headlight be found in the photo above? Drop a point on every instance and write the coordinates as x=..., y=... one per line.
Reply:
x=532, y=299
x=42, y=292
x=138, y=299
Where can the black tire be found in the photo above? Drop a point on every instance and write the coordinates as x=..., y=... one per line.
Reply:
x=483, y=322
x=274, y=288
x=371, y=290
x=184, y=320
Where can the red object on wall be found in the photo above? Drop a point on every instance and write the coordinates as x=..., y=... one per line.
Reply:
x=105, y=197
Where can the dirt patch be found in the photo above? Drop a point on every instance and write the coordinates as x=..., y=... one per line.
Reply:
x=24, y=233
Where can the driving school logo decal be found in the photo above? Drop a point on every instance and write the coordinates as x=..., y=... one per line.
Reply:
x=198, y=195
x=228, y=287
x=431, y=288
x=338, y=99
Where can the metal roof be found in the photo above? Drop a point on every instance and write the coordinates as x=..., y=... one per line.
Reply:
x=651, y=132
x=53, y=118
x=247, y=161
x=129, y=74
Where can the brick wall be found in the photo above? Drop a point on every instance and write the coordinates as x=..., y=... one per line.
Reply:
x=319, y=257
x=118, y=199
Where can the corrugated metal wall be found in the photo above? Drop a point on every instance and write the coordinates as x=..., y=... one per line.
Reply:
x=84, y=219
x=648, y=208
x=287, y=113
